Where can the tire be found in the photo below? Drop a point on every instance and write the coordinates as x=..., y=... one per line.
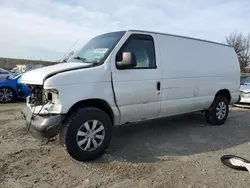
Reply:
x=75, y=143
x=212, y=115
x=7, y=95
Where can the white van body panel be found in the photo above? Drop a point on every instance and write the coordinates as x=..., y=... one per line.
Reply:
x=193, y=72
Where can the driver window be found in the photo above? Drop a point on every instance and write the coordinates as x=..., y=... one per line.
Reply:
x=143, y=48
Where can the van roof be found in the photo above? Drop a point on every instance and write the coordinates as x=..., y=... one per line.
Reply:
x=180, y=36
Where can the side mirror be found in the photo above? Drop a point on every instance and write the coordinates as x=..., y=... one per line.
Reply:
x=8, y=77
x=128, y=61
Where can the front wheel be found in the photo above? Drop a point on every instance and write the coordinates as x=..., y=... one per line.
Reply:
x=86, y=134
x=7, y=95
x=218, y=111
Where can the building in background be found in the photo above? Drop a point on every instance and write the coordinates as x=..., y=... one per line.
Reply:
x=24, y=68
x=10, y=63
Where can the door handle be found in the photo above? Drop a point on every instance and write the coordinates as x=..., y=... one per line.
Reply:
x=158, y=86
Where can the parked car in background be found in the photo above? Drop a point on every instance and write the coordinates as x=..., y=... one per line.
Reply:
x=4, y=74
x=245, y=90
x=12, y=89
x=243, y=78
x=24, y=68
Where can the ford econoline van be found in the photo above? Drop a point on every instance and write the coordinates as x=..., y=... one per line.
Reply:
x=129, y=76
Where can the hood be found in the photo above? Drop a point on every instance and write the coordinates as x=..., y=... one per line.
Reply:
x=3, y=82
x=245, y=88
x=37, y=76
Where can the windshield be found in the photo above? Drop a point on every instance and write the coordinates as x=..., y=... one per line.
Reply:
x=98, y=48
x=247, y=81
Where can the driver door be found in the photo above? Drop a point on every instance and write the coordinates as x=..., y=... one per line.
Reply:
x=138, y=89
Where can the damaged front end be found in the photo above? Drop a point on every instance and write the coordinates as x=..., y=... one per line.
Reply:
x=41, y=112
x=36, y=97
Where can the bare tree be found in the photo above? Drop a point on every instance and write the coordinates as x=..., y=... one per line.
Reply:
x=241, y=46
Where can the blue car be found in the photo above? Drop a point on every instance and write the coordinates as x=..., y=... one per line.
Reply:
x=11, y=90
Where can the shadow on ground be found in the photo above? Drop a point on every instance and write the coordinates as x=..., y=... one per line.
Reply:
x=177, y=136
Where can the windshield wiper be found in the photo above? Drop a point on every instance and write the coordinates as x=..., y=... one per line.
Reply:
x=94, y=63
x=81, y=58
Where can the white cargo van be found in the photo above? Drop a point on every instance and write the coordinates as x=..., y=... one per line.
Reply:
x=129, y=76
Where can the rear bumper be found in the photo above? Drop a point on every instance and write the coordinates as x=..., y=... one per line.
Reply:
x=244, y=101
x=42, y=126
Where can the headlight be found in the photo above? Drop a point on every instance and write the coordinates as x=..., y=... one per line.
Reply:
x=51, y=95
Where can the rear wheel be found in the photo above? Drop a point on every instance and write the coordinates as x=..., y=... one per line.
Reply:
x=7, y=95
x=218, y=111
x=86, y=134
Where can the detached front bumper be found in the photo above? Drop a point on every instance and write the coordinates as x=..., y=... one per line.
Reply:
x=42, y=126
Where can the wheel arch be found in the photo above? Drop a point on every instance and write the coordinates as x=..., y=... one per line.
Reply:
x=97, y=103
x=225, y=93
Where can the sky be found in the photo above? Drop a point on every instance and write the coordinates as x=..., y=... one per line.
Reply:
x=47, y=29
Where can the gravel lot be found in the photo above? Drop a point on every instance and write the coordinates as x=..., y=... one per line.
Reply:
x=174, y=152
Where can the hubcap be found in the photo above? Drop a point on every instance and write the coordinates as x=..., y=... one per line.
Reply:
x=5, y=95
x=90, y=135
x=221, y=110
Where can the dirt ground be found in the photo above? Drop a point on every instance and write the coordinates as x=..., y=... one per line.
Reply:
x=180, y=151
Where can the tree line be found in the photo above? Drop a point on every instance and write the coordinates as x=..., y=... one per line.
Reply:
x=241, y=45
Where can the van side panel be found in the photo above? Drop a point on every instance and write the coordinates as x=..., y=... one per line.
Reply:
x=193, y=72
